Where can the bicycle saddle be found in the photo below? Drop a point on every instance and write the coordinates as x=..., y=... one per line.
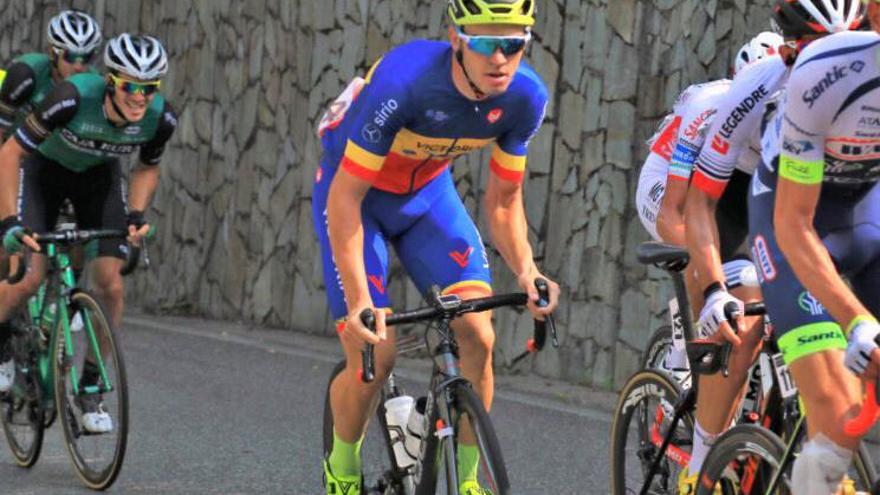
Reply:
x=653, y=253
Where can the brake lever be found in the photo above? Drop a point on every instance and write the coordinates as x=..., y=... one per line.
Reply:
x=368, y=371
x=544, y=301
x=731, y=312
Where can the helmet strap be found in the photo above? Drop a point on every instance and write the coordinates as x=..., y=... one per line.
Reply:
x=111, y=94
x=459, y=57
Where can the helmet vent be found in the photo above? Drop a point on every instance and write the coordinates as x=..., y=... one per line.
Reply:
x=472, y=7
x=500, y=10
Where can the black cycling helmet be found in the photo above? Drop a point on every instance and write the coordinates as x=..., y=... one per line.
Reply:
x=797, y=18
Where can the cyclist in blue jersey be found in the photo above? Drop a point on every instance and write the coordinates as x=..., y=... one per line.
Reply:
x=70, y=148
x=385, y=178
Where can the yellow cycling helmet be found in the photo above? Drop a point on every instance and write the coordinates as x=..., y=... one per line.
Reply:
x=467, y=12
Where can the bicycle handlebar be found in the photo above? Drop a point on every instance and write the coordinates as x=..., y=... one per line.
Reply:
x=707, y=357
x=69, y=237
x=452, y=307
x=870, y=413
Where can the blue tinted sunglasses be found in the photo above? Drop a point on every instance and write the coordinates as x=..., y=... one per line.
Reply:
x=486, y=45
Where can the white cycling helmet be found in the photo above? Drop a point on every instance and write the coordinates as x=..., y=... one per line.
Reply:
x=796, y=18
x=763, y=45
x=75, y=32
x=141, y=57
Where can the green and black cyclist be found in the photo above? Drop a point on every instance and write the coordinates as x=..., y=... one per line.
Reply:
x=70, y=148
x=74, y=39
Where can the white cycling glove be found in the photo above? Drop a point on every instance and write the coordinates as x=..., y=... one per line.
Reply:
x=712, y=315
x=863, y=339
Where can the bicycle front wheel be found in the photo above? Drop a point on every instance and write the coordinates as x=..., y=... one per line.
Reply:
x=97, y=453
x=642, y=420
x=468, y=411
x=21, y=409
x=744, y=459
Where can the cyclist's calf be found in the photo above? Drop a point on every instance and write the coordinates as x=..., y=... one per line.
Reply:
x=108, y=286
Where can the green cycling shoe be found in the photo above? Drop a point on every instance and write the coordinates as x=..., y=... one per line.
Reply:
x=472, y=488
x=343, y=485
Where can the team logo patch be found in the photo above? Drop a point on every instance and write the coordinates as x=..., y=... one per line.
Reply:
x=461, y=258
x=720, y=145
x=371, y=133
x=494, y=115
x=762, y=255
x=318, y=174
x=810, y=304
x=378, y=282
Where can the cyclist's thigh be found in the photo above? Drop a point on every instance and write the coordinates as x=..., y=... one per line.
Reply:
x=375, y=251
x=731, y=216
x=40, y=193
x=443, y=247
x=99, y=201
x=866, y=246
x=650, y=192
x=801, y=324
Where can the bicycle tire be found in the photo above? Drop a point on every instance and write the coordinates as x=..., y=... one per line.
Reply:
x=22, y=412
x=658, y=346
x=492, y=469
x=729, y=461
x=97, y=470
x=629, y=464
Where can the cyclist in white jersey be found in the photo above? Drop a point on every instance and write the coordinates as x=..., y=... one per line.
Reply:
x=673, y=148
x=815, y=219
x=729, y=158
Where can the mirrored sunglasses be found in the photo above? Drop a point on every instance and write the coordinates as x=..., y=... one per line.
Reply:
x=76, y=58
x=486, y=45
x=134, y=87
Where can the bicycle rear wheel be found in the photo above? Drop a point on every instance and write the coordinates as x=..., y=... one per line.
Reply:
x=21, y=409
x=642, y=420
x=744, y=460
x=491, y=471
x=96, y=457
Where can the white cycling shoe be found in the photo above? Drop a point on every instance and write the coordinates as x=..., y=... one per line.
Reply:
x=7, y=375
x=95, y=419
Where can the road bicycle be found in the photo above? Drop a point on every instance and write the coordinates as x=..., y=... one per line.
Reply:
x=411, y=459
x=61, y=328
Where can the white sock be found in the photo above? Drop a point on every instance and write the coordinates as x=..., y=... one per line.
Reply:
x=702, y=443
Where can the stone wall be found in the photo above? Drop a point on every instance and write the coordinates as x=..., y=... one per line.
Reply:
x=249, y=79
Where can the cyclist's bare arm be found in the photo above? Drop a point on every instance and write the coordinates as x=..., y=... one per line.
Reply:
x=142, y=184
x=807, y=255
x=670, y=221
x=703, y=242
x=11, y=154
x=509, y=229
x=346, y=232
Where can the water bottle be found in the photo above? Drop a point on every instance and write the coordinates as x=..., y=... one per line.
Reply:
x=397, y=412
x=415, y=428
x=76, y=324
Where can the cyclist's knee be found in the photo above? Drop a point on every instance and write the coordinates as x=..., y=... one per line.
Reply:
x=110, y=287
x=820, y=466
x=475, y=337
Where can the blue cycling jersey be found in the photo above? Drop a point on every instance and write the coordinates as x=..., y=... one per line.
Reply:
x=409, y=121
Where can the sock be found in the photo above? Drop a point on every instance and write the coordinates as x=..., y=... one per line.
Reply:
x=90, y=375
x=468, y=462
x=345, y=459
x=702, y=443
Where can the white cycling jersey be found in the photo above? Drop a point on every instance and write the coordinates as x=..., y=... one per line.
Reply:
x=734, y=137
x=675, y=146
x=828, y=129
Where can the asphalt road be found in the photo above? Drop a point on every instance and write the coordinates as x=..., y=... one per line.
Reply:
x=221, y=409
